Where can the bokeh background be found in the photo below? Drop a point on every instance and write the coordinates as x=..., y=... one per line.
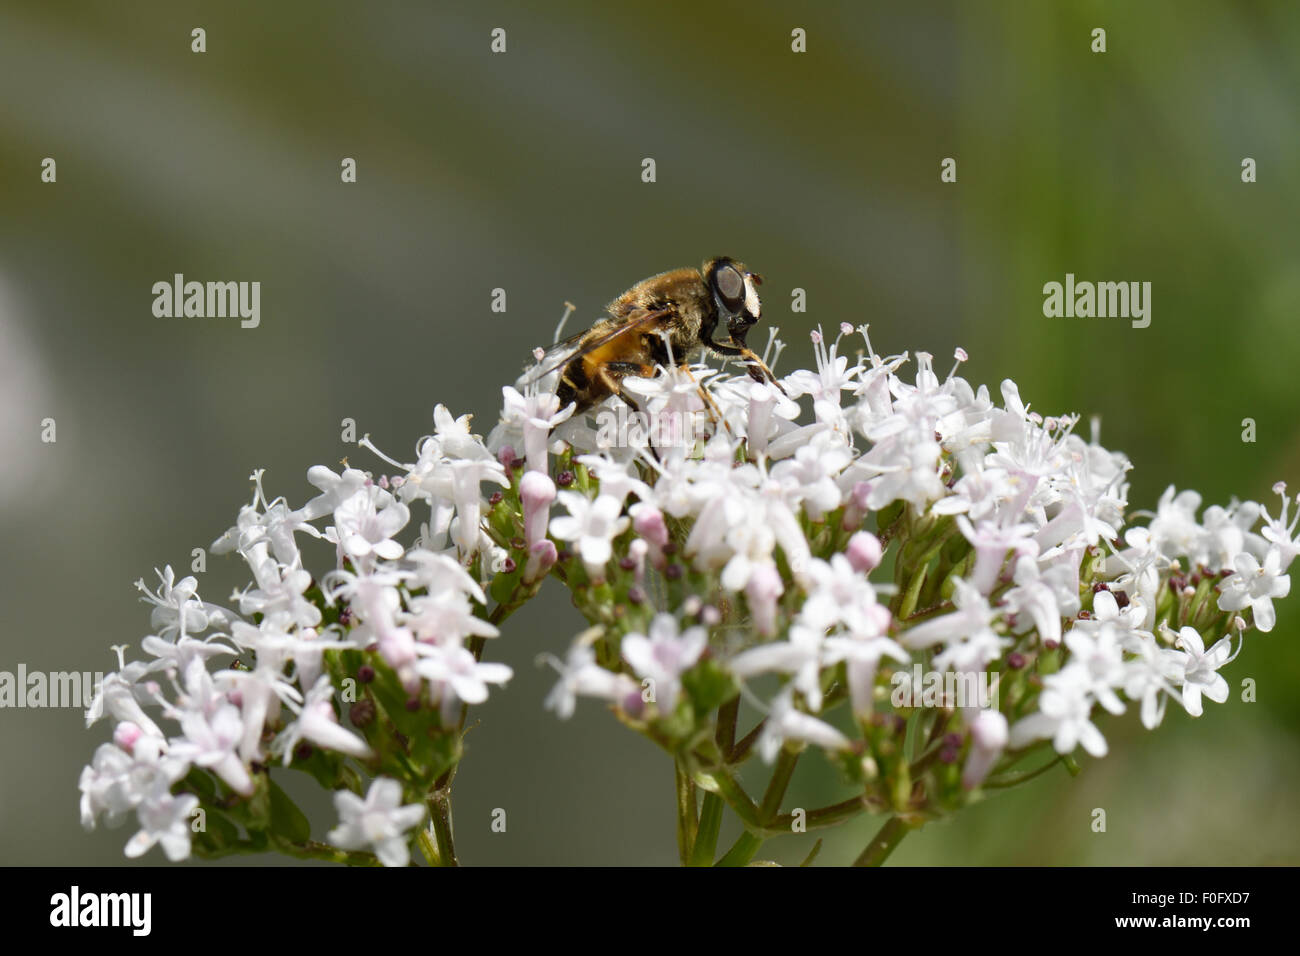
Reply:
x=522, y=170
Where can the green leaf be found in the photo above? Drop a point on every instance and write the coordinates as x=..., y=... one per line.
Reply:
x=286, y=819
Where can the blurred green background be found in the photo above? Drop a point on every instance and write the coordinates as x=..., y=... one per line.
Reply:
x=522, y=170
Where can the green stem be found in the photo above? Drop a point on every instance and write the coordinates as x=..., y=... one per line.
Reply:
x=312, y=850
x=741, y=751
x=822, y=817
x=439, y=804
x=742, y=851
x=726, y=732
x=706, y=835
x=1014, y=778
x=685, y=813
x=775, y=793
x=736, y=797
x=884, y=842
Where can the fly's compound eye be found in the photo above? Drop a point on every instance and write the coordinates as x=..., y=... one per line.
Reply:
x=731, y=287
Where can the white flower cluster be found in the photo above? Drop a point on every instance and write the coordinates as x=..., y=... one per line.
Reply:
x=417, y=605
x=705, y=559
x=1018, y=552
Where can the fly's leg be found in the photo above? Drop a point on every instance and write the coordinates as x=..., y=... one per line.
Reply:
x=756, y=367
x=612, y=375
x=710, y=405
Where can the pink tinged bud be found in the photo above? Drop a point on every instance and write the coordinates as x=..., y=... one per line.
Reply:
x=632, y=703
x=846, y=328
x=126, y=734
x=879, y=616
x=856, y=508
x=410, y=679
x=541, y=558
x=762, y=591
x=637, y=551
x=649, y=523
x=506, y=455
x=537, y=492
x=989, y=735
x=864, y=552
x=397, y=647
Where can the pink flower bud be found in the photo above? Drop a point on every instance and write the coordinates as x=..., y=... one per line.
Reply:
x=637, y=551
x=989, y=735
x=537, y=492
x=541, y=558
x=126, y=734
x=856, y=508
x=762, y=591
x=864, y=552
x=648, y=522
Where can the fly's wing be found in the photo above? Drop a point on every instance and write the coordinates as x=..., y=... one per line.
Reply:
x=564, y=353
x=555, y=357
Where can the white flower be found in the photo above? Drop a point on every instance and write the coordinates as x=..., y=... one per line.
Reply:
x=592, y=526
x=1101, y=658
x=318, y=724
x=809, y=477
x=467, y=477
x=453, y=668
x=580, y=675
x=335, y=489
x=177, y=607
x=664, y=656
x=992, y=540
x=863, y=652
x=378, y=822
x=969, y=633
x=1064, y=715
x=279, y=596
x=164, y=819
x=454, y=437
x=784, y=723
x=1042, y=598
x=1254, y=586
x=119, y=779
x=212, y=741
x=614, y=477
x=1200, y=669
x=1174, y=529
x=1148, y=678
x=368, y=520
x=801, y=656
x=1281, y=534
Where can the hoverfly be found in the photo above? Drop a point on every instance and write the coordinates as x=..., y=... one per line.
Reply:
x=659, y=322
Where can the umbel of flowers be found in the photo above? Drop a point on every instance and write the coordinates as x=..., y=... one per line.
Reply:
x=936, y=592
